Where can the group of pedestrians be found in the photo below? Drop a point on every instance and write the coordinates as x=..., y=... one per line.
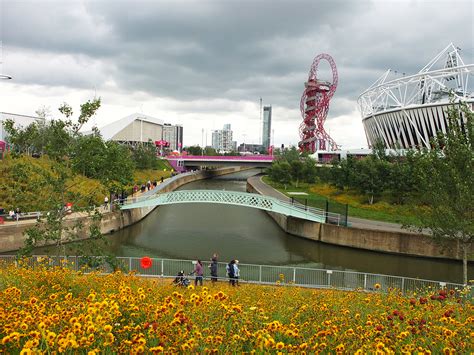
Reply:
x=232, y=270
x=149, y=185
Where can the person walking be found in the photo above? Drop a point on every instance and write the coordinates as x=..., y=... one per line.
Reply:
x=198, y=270
x=106, y=201
x=236, y=273
x=213, y=268
x=230, y=272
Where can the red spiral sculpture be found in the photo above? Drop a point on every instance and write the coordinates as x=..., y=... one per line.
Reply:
x=314, y=106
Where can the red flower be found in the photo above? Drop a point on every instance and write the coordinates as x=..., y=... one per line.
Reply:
x=146, y=262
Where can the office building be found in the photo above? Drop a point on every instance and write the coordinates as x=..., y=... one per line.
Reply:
x=267, y=127
x=173, y=134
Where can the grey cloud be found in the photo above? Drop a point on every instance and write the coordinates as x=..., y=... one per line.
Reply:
x=233, y=50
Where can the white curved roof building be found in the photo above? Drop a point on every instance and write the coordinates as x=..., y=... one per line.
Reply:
x=407, y=112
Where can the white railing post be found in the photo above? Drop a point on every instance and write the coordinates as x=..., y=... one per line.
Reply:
x=129, y=264
x=260, y=274
x=403, y=285
x=365, y=281
x=294, y=275
x=162, y=267
x=329, y=272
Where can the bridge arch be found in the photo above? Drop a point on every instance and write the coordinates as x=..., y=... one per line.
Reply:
x=235, y=198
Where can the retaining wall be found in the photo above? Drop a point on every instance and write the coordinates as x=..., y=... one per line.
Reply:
x=368, y=239
x=12, y=234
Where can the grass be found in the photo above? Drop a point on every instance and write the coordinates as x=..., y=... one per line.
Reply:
x=319, y=193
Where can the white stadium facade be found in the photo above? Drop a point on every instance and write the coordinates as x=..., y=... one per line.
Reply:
x=407, y=112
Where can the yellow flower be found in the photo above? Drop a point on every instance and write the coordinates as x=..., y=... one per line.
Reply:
x=107, y=328
x=280, y=345
x=157, y=349
x=50, y=336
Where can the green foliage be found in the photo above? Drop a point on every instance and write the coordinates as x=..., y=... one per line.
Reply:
x=372, y=175
x=118, y=167
x=446, y=179
x=144, y=156
x=280, y=171
x=290, y=165
x=89, y=155
x=193, y=150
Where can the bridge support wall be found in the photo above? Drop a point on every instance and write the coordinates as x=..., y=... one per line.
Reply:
x=374, y=240
x=12, y=235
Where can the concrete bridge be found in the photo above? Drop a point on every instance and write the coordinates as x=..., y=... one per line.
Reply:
x=229, y=198
x=194, y=161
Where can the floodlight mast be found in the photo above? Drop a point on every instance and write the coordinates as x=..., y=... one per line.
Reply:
x=314, y=106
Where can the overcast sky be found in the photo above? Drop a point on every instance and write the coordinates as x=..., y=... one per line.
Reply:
x=207, y=63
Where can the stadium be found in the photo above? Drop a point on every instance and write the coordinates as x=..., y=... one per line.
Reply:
x=407, y=112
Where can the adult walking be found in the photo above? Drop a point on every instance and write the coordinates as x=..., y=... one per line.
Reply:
x=230, y=272
x=198, y=270
x=213, y=268
x=236, y=273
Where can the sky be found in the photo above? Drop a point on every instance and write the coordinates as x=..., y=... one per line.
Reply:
x=205, y=63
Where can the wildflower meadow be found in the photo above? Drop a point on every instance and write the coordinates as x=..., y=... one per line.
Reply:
x=56, y=310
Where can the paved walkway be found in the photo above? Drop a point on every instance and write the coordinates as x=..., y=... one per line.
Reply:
x=360, y=223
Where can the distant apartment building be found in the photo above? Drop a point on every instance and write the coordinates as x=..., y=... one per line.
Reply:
x=173, y=134
x=222, y=139
x=267, y=126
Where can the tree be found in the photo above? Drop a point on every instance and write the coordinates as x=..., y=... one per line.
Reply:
x=280, y=171
x=446, y=178
x=144, y=156
x=342, y=173
x=370, y=177
x=309, y=170
x=296, y=170
x=59, y=179
x=118, y=167
x=193, y=150
x=89, y=154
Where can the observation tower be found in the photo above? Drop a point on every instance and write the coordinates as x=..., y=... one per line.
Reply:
x=314, y=107
x=407, y=112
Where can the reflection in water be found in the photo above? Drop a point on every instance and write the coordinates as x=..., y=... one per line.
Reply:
x=191, y=231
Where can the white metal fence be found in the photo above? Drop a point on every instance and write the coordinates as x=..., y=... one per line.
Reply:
x=249, y=273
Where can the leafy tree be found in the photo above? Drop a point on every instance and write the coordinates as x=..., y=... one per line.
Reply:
x=59, y=180
x=89, y=154
x=118, y=167
x=446, y=178
x=297, y=172
x=193, y=150
x=280, y=171
x=210, y=151
x=370, y=177
x=309, y=170
x=402, y=183
x=144, y=156
x=342, y=173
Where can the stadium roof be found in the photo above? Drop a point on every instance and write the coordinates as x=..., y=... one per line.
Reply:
x=110, y=130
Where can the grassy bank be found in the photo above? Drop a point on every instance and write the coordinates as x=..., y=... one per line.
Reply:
x=319, y=193
x=54, y=309
x=22, y=184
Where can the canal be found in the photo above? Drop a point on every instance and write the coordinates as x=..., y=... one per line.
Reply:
x=196, y=231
